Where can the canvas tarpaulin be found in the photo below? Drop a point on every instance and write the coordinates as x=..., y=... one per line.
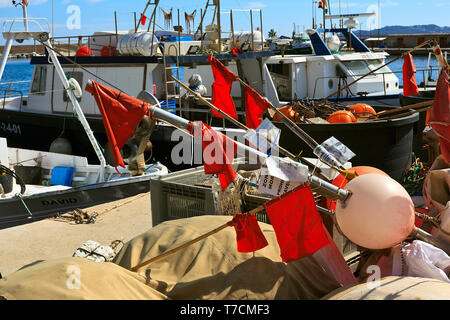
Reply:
x=211, y=269
x=395, y=288
x=76, y=279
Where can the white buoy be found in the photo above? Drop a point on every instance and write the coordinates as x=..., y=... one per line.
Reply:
x=61, y=145
x=379, y=214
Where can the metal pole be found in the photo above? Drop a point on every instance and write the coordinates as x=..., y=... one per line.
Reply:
x=25, y=18
x=323, y=12
x=261, y=26
x=251, y=30
x=201, y=30
x=77, y=109
x=5, y=55
x=117, y=35
x=219, y=26
x=53, y=18
x=232, y=27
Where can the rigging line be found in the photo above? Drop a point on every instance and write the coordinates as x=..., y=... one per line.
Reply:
x=81, y=67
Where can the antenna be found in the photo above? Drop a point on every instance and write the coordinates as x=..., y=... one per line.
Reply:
x=351, y=15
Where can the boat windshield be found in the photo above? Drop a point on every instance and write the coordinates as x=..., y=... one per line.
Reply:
x=377, y=63
x=358, y=67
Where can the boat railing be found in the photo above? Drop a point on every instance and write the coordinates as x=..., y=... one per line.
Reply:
x=7, y=94
x=10, y=92
x=24, y=28
x=68, y=45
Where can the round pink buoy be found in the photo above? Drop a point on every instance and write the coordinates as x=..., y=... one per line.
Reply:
x=379, y=214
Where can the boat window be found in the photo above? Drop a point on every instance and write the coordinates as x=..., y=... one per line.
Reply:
x=358, y=67
x=279, y=68
x=376, y=63
x=39, y=81
x=77, y=75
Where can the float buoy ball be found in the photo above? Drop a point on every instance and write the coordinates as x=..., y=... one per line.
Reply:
x=341, y=182
x=379, y=213
x=341, y=116
x=362, y=110
x=61, y=145
x=84, y=51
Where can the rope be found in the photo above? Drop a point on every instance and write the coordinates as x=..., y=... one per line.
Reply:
x=26, y=207
x=414, y=178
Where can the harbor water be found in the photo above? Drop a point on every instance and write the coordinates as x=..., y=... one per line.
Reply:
x=15, y=71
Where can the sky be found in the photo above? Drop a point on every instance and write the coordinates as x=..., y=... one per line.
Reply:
x=83, y=17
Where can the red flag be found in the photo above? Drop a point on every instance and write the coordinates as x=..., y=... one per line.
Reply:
x=121, y=115
x=249, y=236
x=25, y=2
x=218, y=153
x=409, y=77
x=255, y=107
x=221, y=89
x=143, y=19
x=440, y=113
x=297, y=224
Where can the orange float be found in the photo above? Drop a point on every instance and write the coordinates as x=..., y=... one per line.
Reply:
x=288, y=111
x=340, y=180
x=362, y=110
x=341, y=116
x=108, y=51
x=84, y=51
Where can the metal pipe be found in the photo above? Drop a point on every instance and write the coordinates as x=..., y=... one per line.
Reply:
x=5, y=55
x=428, y=238
x=77, y=108
x=321, y=186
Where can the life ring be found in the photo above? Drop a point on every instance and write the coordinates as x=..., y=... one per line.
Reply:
x=76, y=88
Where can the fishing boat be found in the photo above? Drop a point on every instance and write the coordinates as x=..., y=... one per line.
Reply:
x=43, y=184
x=298, y=45
x=144, y=60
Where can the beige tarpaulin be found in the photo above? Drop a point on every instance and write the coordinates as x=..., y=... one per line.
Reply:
x=211, y=269
x=76, y=279
x=395, y=288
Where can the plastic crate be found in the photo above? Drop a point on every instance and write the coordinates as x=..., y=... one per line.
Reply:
x=180, y=195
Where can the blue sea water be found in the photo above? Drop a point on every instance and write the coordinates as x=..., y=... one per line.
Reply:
x=22, y=70
x=17, y=70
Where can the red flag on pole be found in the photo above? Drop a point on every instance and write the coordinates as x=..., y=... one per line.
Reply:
x=409, y=77
x=221, y=89
x=249, y=236
x=297, y=224
x=255, y=107
x=218, y=153
x=121, y=115
x=25, y=2
x=440, y=113
x=143, y=19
